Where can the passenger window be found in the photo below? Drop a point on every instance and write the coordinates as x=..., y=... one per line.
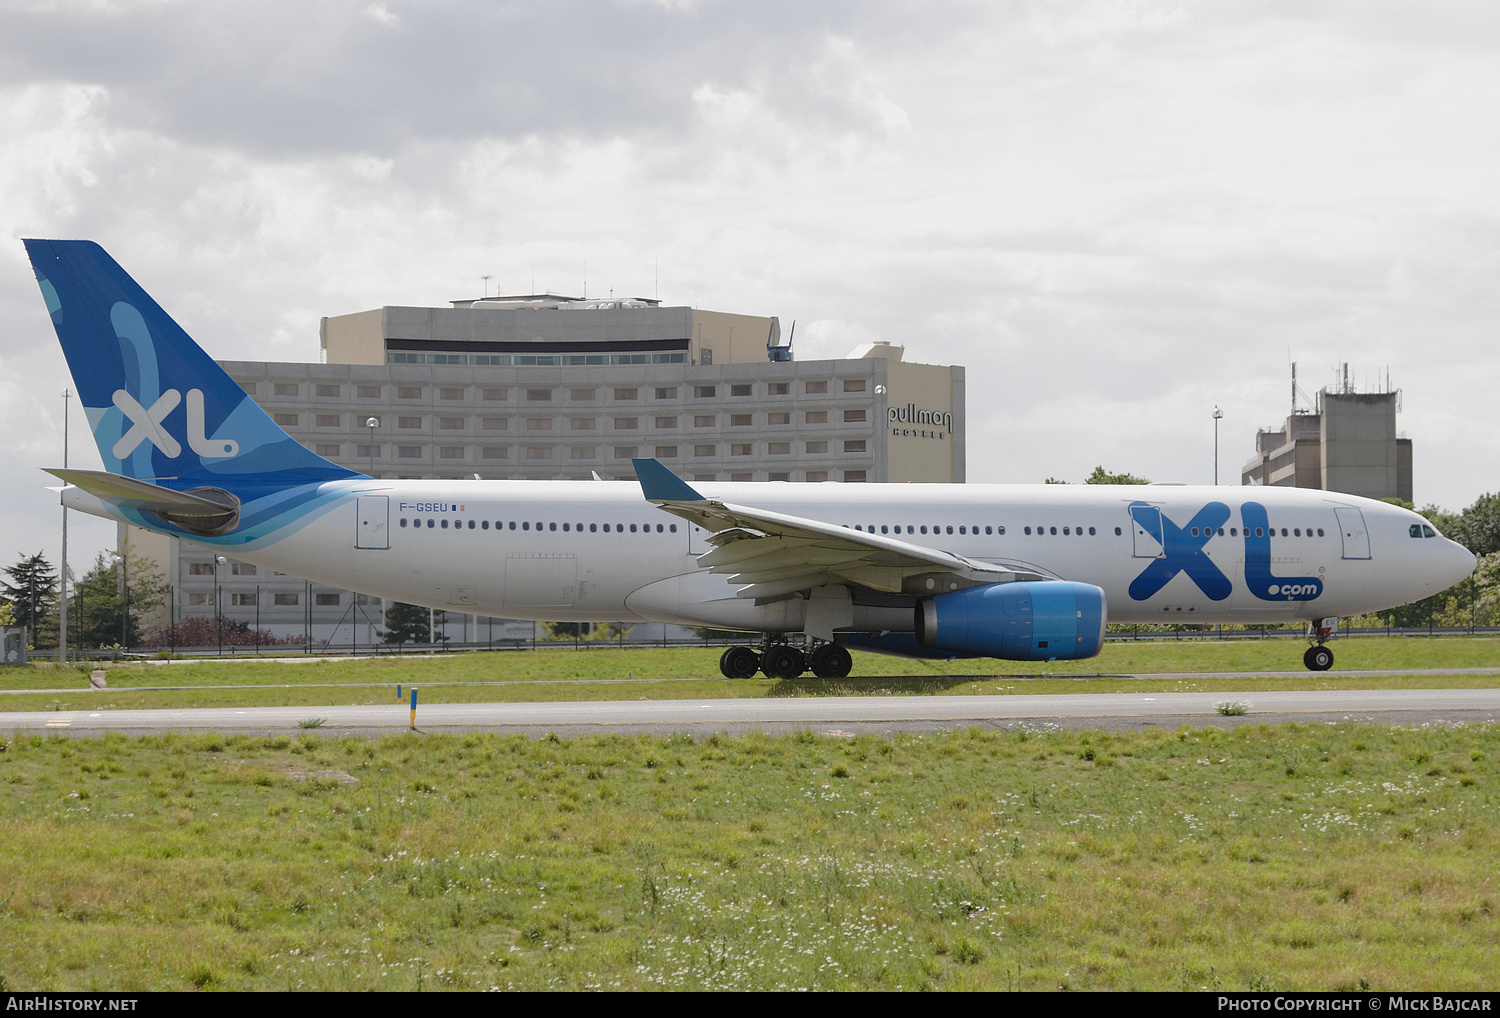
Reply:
x=1091, y=531
x=1067, y=532
x=593, y=528
x=1028, y=531
x=526, y=526
x=924, y=530
x=1054, y=531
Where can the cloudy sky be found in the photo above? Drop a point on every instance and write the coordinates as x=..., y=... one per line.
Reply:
x=1115, y=214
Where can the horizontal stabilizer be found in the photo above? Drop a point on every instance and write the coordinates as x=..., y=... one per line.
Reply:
x=203, y=511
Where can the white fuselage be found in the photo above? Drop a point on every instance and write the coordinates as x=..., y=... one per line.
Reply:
x=597, y=551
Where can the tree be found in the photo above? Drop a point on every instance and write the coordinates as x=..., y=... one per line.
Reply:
x=214, y=630
x=1101, y=476
x=408, y=623
x=104, y=610
x=32, y=593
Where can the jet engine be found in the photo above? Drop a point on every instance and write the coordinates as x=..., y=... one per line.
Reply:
x=1046, y=621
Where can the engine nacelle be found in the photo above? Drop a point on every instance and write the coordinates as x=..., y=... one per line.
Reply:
x=1051, y=620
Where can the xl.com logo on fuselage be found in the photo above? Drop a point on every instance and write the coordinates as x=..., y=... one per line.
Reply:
x=1184, y=551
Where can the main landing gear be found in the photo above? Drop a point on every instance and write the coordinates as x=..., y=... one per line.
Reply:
x=783, y=661
x=1318, y=657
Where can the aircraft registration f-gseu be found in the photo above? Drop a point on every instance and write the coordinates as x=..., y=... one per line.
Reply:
x=1020, y=572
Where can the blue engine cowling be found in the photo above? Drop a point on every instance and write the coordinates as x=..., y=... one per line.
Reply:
x=1051, y=620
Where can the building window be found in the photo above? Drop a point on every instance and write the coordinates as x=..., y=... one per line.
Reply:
x=493, y=423
x=625, y=452
x=285, y=420
x=741, y=390
x=285, y=388
x=666, y=392
x=205, y=598
x=449, y=394
x=538, y=395
x=627, y=394
x=365, y=599
x=538, y=424
x=857, y=445
x=583, y=452
x=705, y=391
x=495, y=452
x=409, y=452
x=741, y=420
x=409, y=423
x=854, y=385
x=328, y=390
x=627, y=423
x=666, y=422
x=817, y=417
x=777, y=419
x=328, y=450
x=451, y=452
x=783, y=475
x=368, y=391
x=326, y=420
x=742, y=477
x=451, y=423
x=581, y=395
x=666, y=452
x=539, y=453
x=496, y=395
x=812, y=388
x=409, y=392
x=817, y=475
x=705, y=477
x=243, y=599
x=327, y=599
x=705, y=420
x=705, y=450
x=367, y=451
x=853, y=416
x=584, y=423
x=817, y=447
x=778, y=388
x=288, y=599
x=241, y=569
x=746, y=449
x=854, y=475
x=779, y=449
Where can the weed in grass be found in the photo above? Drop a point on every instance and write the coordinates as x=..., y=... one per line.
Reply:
x=312, y=722
x=1232, y=708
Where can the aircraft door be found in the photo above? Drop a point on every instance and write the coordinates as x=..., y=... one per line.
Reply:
x=1352, y=529
x=1145, y=524
x=373, y=529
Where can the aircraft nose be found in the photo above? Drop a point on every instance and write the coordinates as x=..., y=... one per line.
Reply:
x=1463, y=561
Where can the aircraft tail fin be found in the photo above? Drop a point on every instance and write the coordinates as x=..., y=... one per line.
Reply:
x=159, y=407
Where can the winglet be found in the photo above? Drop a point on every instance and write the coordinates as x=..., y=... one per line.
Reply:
x=659, y=484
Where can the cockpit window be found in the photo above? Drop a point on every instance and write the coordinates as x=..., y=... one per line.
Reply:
x=1428, y=531
x=1415, y=530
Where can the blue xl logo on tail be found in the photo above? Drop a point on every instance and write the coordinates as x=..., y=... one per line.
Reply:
x=146, y=426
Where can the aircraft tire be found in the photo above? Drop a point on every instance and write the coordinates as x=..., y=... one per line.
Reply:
x=783, y=662
x=831, y=661
x=1318, y=659
x=739, y=663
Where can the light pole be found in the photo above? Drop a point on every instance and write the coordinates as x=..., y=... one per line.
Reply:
x=219, y=560
x=122, y=558
x=62, y=610
x=1218, y=416
x=372, y=423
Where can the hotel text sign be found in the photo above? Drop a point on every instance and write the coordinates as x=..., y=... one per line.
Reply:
x=938, y=422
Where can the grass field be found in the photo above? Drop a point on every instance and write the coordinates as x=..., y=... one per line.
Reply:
x=682, y=673
x=1291, y=857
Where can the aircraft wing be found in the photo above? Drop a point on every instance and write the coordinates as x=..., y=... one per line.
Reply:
x=772, y=554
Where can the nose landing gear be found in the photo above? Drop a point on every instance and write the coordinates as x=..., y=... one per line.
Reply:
x=1318, y=657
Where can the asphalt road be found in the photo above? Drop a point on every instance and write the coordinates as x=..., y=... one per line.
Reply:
x=830, y=715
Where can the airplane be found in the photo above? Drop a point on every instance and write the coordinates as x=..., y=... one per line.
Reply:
x=1015, y=572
